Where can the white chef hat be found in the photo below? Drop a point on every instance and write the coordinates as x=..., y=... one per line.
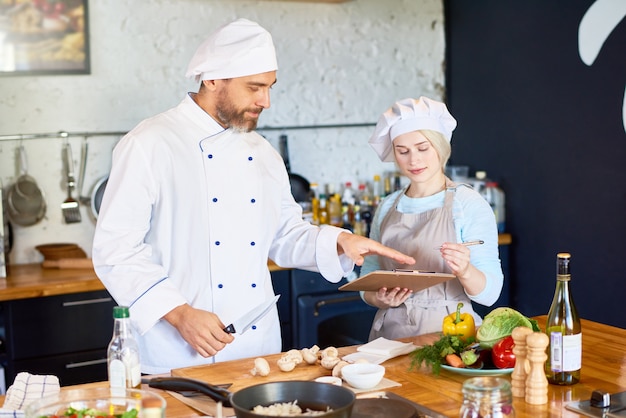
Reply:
x=409, y=115
x=238, y=49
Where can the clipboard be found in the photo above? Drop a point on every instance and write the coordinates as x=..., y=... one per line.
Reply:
x=415, y=280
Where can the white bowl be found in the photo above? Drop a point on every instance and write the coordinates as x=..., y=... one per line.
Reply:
x=363, y=375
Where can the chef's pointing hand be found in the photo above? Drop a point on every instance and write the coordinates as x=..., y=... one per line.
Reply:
x=203, y=330
x=357, y=247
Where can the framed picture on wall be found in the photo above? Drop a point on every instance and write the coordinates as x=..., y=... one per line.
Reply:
x=43, y=37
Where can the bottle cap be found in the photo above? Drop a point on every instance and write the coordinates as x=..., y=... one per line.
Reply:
x=562, y=264
x=121, y=312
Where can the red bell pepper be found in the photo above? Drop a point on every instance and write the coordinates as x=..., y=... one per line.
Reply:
x=502, y=353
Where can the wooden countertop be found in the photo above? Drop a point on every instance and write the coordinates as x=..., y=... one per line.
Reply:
x=604, y=367
x=31, y=281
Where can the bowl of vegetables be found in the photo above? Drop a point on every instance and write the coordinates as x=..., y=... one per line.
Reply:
x=98, y=402
x=487, y=351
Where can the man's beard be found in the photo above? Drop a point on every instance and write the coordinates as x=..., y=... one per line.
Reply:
x=235, y=118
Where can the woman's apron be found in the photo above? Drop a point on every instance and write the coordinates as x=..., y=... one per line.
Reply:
x=419, y=235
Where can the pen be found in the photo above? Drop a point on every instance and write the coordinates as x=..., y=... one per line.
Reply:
x=468, y=243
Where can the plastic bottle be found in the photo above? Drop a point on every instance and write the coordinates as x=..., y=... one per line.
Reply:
x=349, y=195
x=487, y=397
x=323, y=210
x=334, y=210
x=315, y=204
x=397, y=183
x=363, y=197
x=377, y=191
x=387, y=185
x=124, y=366
x=479, y=181
x=564, y=330
x=496, y=195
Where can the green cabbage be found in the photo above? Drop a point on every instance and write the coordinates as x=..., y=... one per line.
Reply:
x=500, y=323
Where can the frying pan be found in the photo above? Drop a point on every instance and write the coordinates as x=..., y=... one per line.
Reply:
x=300, y=187
x=313, y=395
x=96, y=195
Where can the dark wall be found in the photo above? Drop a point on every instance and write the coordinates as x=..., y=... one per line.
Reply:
x=549, y=129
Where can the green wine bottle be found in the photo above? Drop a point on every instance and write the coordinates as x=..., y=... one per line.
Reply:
x=564, y=330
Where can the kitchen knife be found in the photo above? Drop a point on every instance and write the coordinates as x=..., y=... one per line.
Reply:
x=242, y=324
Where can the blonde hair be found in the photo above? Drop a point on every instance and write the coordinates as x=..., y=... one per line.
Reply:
x=441, y=145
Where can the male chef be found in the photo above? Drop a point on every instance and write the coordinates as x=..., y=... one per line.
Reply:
x=196, y=204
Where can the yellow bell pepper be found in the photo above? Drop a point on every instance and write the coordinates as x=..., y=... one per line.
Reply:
x=459, y=324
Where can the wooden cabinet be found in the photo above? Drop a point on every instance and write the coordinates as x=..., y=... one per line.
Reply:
x=64, y=335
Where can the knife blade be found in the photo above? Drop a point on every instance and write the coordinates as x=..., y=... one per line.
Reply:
x=242, y=324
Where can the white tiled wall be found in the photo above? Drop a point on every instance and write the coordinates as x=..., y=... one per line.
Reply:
x=338, y=64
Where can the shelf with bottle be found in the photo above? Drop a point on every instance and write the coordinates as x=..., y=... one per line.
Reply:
x=351, y=206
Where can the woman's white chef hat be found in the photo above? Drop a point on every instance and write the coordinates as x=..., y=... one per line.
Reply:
x=238, y=49
x=409, y=115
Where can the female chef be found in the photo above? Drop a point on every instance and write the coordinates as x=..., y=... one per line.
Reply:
x=429, y=219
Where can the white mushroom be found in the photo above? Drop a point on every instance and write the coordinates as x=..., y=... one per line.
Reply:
x=261, y=367
x=338, y=367
x=330, y=352
x=309, y=355
x=286, y=364
x=329, y=362
x=294, y=355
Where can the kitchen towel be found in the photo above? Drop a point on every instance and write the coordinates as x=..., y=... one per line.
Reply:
x=25, y=389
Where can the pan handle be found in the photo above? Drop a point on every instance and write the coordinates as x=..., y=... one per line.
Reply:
x=177, y=384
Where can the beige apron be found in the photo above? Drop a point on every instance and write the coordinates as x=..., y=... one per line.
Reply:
x=418, y=235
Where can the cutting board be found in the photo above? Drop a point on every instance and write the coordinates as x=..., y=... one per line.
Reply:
x=237, y=373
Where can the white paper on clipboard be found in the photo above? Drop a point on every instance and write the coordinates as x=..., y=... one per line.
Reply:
x=415, y=280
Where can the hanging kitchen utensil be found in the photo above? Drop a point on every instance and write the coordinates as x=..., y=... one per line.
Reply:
x=70, y=207
x=300, y=187
x=89, y=199
x=84, y=150
x=26, y=204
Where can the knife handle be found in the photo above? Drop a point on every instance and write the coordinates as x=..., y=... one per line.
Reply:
x=230, y=329
x=177, y=384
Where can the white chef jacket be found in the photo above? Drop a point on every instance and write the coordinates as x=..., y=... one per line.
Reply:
x=191, y=214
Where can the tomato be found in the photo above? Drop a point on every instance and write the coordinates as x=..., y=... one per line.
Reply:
x=502, y=353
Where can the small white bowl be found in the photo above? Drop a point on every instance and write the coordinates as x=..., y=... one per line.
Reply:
x=363, y=375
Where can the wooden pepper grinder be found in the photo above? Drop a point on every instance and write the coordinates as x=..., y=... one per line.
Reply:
x=536, y=382
x=521, y=370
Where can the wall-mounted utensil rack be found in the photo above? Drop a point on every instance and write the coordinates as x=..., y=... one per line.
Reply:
x=65, y=134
